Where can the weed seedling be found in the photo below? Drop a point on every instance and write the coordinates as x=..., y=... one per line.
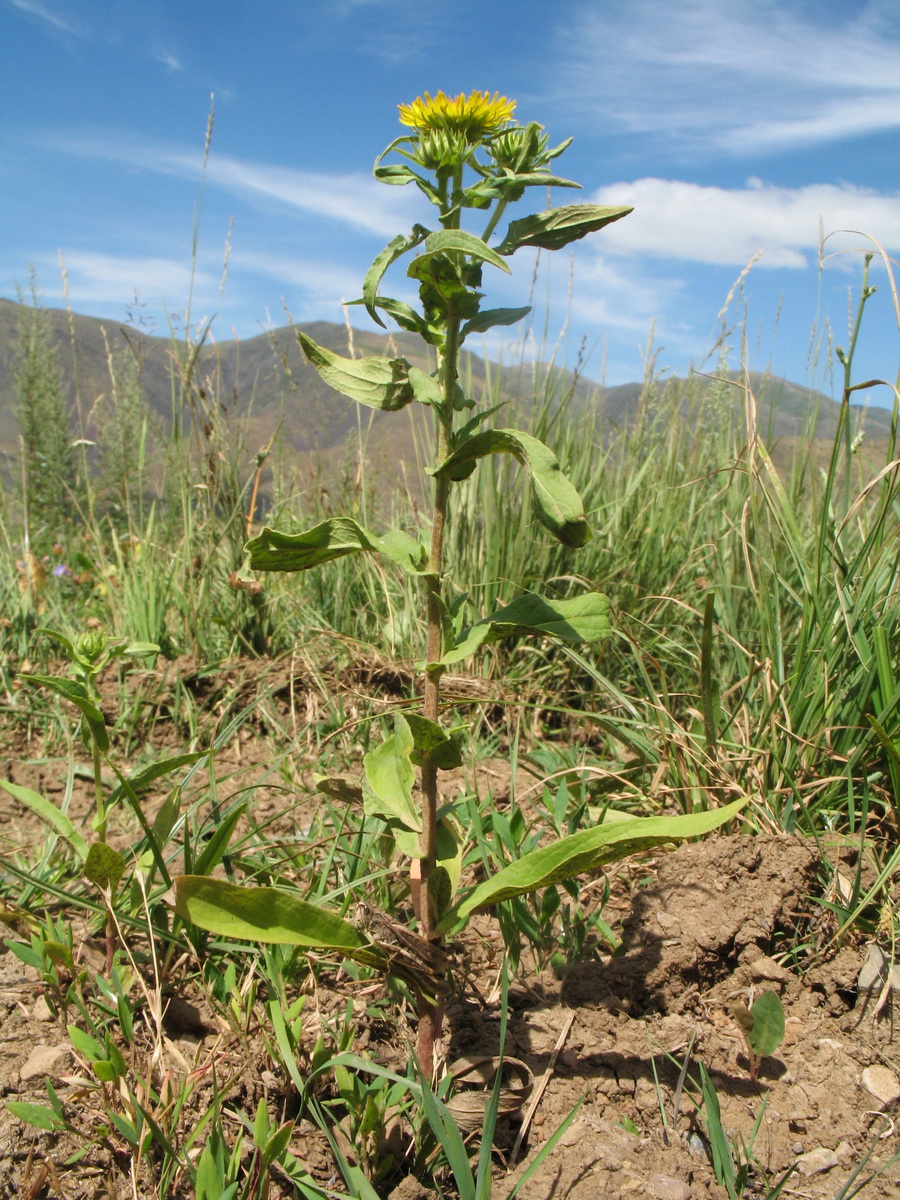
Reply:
x=762, y=1027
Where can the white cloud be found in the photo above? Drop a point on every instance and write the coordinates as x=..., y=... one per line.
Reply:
x=354, y=199
x=749, y=75
x=170, y=61
x=37, y=9
x=112, y=280
x=320, y=286
x=727, y=226
x=351, y=198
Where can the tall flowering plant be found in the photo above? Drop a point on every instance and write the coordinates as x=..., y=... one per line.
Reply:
x=469, y=158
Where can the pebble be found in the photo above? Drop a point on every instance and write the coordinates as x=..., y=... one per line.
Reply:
x=768, y=968
x=696, y=1144
x=41, y=1010
x=882, y=1084
x=663, y=1187
x=874, y=969
x=814, y=1162
x=43, y=1060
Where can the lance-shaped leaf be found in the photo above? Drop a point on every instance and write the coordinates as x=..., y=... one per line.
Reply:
x=558, y=227
x=142, y=779
x=582, y=618
x=77, y=694
x=262, y=915
x=395, y=248
x=405, y=316
x=491, y=317
x=381, y=383
x=511, y=186
x=586, y=851
x=398, y=175
x=333, y=538
x=557, y=504
x=390, y=777
x=48, y=812
x=447, y=241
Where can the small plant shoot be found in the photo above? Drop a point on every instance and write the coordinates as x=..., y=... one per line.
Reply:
x=472, y=162
x=762, y=1026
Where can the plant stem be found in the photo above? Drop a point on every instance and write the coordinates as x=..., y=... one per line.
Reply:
x=430, y=1017
x=431, y=694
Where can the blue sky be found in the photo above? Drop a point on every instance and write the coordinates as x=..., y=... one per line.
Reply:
x=739, y=131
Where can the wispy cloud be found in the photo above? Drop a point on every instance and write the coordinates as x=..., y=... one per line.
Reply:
x=309, y=287
x=170, y=61
x=36, y=9
x=727, y=226
x=750, y=75
x=111, y=281
x=354, y=199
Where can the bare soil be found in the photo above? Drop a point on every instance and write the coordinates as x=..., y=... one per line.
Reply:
x=701, y=926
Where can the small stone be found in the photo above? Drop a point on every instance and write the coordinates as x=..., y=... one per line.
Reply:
x=696, y=1144
x=43, y=1060
x=40, y=1010
x=814, y=1162
x=664, y=1187
x=797, y=1148
x=882, y=1084
x=874, y=970
x=768, y=968
x=843, y=1150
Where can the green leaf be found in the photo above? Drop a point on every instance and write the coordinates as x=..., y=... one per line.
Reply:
x=583, y=618
x=429, y=738
x=588, y=850
x=77, y=694
x=767, y=1033
x=457, y=240
x=390, y=778
x=142, y=779
x=338, y=788
x=405, y=316
x=491, y=317
x=139, y=649
x=277, y=1143
x=398, y=174
x=557, y=227
x=334, y=538
x=330, y=539
x=395, y=248
x=557, y=504
x=381, y=383
x=448, y=847
x=103, y=866
x=262, y=915
x=37, y=1115
x=426, y=388
x=511, y=187
x=48, y=812
x=88, y=1047
x=214, y=850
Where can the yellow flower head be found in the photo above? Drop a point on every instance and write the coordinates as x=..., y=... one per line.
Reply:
x=475, y=116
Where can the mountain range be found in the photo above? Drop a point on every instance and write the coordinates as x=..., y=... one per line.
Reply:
x=263, y=384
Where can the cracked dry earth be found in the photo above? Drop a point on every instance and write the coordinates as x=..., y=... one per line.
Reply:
x=702, y=926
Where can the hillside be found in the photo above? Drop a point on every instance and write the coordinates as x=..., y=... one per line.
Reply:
x=264, y=383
